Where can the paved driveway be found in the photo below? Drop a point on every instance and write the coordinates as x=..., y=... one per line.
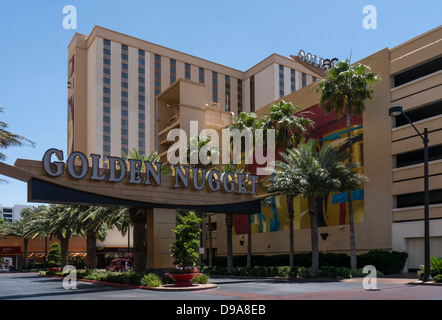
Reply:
x=30, y=286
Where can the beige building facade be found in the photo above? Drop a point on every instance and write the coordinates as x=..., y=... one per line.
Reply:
x=127, y=93
x=114, y=80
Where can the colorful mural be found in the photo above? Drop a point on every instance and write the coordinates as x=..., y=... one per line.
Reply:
x=333, y=209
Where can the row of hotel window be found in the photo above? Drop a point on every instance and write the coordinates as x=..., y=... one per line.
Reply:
x=124, y=101
x=201, y=77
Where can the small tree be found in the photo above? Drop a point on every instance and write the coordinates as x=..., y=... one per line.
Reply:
x=53, y=258
x=185, y=248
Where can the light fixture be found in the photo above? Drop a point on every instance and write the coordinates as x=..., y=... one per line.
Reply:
x=395, y=111
x=168, y=104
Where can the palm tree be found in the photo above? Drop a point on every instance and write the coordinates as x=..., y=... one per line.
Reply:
x=289, y=128
x=312, y=174
x=94, y=221
x=8, y=139
x=58, y=221
x=344, y=91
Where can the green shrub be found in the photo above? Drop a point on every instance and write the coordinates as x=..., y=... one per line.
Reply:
x=151, y=280
x=301, y=260
x=435, y=266
x=305, y=272
x=53, y=258
x=77, y=261
x=438, y=278
x=334, y=272
x=385, y=261
x=358, y=273
x=201, y=279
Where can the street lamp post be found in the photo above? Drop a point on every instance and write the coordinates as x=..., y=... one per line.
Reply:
x=394, y=112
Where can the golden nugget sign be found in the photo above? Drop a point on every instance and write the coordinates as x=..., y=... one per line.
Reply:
x=78, y=168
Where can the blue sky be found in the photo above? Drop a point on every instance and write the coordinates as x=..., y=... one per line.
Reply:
x=239, y=34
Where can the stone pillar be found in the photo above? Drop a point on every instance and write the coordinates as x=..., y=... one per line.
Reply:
x=160, y=223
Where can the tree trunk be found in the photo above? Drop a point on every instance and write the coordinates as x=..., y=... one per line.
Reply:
x=64, y=248
x=25, y=248
x=138, y=218
x=292, y=237
x=353, y=259
x=249, y=241
x=313, y=211
x=91, y=245
x=210, y=239
x=229, y=225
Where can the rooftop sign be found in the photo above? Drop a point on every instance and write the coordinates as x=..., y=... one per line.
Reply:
x=316, y=60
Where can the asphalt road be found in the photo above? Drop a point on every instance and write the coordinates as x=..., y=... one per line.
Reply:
x=30, y=286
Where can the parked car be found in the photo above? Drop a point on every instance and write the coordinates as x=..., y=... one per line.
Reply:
x=119, y=265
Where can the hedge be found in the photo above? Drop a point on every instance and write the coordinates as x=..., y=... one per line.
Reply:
x=281, y=271
x=385, y=261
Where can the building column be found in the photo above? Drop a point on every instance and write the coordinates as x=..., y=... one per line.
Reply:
x=160, y=223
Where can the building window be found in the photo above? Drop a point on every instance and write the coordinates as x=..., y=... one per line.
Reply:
x=187, y=71
x=124, y=132
x=304, y=79
x=314, y=79
x=106, y=61
x=214, y=86
x=124, y=94
x=252, y=93
x=106, y=129
x=124, y=47
x=106, y=90
x=124, y=85
x=106, y=109
x=106, y=51
x=106, y=148
x=418, y=71
x=227, y=94
x=106, y=138
x=423, y=112
x=124, y=56
x=239, y=96
x=417, y=199
x=124, y=75
x=106, y=42
x=106, y=80
x=106, y=71
x=106, y=119
x=293, y=80
x=124, y=66
x=201, y=75
x=281, y=81
x=172, y=71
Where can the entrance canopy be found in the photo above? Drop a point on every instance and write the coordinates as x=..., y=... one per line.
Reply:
x=65, y=189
